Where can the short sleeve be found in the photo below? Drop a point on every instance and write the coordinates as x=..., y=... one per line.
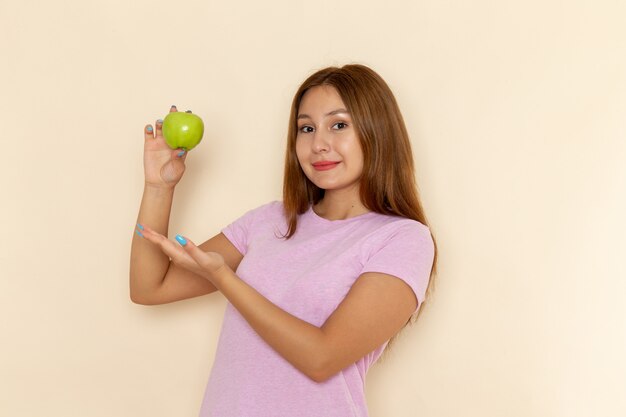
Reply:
x=239, y=231
x=405, y=250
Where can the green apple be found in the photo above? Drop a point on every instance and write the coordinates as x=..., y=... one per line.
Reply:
x=182, y=130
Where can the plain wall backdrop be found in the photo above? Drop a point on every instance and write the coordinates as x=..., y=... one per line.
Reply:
x=516, y=112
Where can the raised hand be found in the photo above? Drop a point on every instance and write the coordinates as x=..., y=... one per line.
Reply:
x=163, y=166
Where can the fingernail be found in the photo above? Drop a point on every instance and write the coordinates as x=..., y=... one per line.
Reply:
x=181, y=153
x=139, y=233
x=160, y=121
x=149, y=128
x=139, y=226
x=173, y=106
x=181, y=240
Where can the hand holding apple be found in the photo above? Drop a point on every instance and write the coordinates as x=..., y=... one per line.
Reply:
x=182, y=130
x=163, y=166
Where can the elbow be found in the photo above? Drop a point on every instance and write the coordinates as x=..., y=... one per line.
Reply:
x=319, y=376
x=322, y=375
x=140, y=294
x=322, y=371
x=140, y=299
x=325, y=361
x=137, y=300
x=144, y=301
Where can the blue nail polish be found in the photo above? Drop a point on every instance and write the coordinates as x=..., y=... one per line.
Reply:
x=139, y=233
x=149, y=128
x=139, y=226
x=181, y=240
x=181, y=153
x=160, y=121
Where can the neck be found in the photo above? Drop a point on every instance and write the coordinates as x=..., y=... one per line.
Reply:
x=340, y=205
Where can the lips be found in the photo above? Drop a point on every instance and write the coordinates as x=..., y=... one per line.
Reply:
x=325, y=165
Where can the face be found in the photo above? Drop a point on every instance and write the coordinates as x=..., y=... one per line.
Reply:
x=327, y=144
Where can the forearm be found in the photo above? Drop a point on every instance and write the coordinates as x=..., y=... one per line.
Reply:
x=299, y=342
x=148, y=263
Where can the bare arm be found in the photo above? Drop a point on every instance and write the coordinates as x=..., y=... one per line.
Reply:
x=376, y=307
x=154, y=279
x=178, y=282
x=148, y=264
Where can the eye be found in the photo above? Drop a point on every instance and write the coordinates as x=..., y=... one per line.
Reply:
x=340, y=125
x=303, y=129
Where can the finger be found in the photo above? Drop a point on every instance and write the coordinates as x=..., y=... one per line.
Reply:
x=148, y=132
x=179, y=255
x=173, y=109
x=150, y=234
x=183, y=241
x=139, y=229
x=197, y=254
x=159, y=128
x=190, y=247
x=175, y=252
x=180, y=154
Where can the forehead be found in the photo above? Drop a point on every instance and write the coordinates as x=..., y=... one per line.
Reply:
x=320, y=99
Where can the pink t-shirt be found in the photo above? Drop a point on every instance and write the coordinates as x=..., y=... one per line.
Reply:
x=308, y=276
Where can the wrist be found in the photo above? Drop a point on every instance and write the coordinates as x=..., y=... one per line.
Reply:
x=158, y=189
x=218, y=276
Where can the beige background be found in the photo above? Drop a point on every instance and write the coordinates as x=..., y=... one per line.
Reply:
x=517, y=117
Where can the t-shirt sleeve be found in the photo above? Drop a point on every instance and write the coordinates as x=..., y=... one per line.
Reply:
x=239, y=231
x=406, y=252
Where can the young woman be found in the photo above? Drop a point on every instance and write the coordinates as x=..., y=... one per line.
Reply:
x=317, y=284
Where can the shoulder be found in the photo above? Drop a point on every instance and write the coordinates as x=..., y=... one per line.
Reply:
x=266, y=210
x=398, y=238
x=403, y=248
x=394, y=228
x=270, y=215
x=254, y=223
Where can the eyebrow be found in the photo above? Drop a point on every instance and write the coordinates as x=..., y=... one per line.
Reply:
x=332, y=113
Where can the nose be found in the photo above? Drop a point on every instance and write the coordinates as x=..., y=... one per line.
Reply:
x=320, y=142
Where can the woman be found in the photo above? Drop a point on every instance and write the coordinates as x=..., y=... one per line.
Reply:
x=325, y=278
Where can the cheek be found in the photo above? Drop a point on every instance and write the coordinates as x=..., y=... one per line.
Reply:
x=301, y=152
x=360, y=163
x=353, y=151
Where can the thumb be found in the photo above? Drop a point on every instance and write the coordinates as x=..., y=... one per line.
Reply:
x=180, y=154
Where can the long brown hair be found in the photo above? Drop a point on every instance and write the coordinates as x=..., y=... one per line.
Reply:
x=387, y=184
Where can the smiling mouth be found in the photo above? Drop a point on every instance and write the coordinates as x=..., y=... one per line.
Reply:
x=325, y=165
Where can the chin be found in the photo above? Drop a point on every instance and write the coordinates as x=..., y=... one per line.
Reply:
x=334, y=186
